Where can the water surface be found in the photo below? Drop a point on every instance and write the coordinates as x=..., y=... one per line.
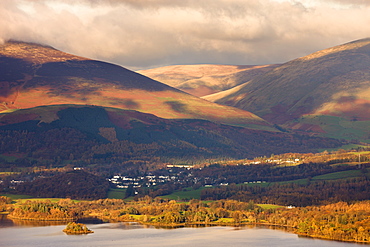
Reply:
x=133, y=234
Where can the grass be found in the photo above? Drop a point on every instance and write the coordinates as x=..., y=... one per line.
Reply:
x=296, y=181
x=362, y=152
x=8, y=173
x=188, y=194
x=24, y=198
x=329, y=176
x=116, y=193
x=8, y=158
x=16, y=197
x=339, y=175
x=269, y=206
x=339, y=128
x=257, y=184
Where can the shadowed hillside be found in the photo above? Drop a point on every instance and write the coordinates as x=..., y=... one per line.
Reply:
x=92, y=134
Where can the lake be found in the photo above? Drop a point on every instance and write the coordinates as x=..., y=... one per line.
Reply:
x=134, y=234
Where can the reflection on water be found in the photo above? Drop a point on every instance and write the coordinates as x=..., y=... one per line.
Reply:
x=17, y=222
x=90, y=220
x=124, y=226
x=5, y=222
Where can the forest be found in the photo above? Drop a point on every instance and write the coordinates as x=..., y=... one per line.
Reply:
x=75, y=184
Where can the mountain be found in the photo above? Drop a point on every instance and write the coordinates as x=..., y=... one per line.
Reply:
x=204, y=79
x=82, y=134
x=34, y=75
x=327, y=92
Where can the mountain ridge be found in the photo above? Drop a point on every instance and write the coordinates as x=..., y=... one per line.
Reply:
x=205, y=79
x=34, y=75
x=333, y=82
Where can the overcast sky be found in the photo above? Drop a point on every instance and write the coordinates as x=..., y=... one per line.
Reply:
x=152, y=33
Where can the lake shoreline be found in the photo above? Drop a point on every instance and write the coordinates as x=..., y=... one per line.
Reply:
x=285, y=228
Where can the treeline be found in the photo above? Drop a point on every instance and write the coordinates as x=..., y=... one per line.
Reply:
x=3, y=203
x=75, y=185
x=165, y=212
x=338, y=221
x=43, y=210
x=313, y=193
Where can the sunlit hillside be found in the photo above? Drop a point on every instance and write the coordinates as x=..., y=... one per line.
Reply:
x=205, y=79
x=34, y=75
x=332, y=83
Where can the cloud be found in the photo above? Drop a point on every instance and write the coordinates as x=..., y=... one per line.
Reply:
x=151, y=33
x=352, y=2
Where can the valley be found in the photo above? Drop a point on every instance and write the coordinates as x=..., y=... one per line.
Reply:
x=205, y=79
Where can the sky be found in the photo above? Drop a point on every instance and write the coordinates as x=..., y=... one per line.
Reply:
x=141, y=34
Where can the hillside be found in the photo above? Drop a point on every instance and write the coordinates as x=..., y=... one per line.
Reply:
x=327, y=92
x=205, y=79
x=96, y=135
x=34, y=75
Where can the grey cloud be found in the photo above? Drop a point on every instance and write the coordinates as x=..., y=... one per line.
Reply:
x=150, y=33
x=352, y=2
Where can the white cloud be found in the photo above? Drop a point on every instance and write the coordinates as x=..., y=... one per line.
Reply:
x=150, y=33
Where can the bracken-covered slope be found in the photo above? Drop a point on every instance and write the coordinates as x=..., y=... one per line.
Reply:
x=325, y=92
x=35, y=75
x=204, y=79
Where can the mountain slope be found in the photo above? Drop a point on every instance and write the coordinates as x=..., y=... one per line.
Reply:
x=91, y=134
x=205, y=79
x=34, y=75
x=334, y=82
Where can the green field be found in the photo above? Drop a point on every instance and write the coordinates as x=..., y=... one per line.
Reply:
x=188, y=194
x=340, y=175
x=269, y=206
x=8, y=158
x=116, y=193
x=16, y=197
x=297, y=181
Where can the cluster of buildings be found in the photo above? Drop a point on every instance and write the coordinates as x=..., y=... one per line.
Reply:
x=141, y=181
